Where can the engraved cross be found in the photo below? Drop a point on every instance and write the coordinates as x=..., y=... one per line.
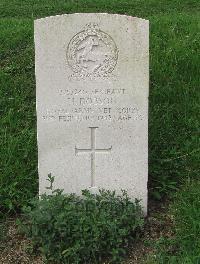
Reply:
x=92, y=151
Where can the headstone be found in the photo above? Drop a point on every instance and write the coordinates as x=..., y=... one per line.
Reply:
x=92, y=102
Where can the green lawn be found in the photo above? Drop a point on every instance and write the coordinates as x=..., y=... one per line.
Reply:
x=184, y=247
x=174, y=149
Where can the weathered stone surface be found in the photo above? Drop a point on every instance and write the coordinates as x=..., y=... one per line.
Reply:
x=92, y=102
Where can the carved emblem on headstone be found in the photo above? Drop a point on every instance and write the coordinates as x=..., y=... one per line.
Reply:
x=91, y=53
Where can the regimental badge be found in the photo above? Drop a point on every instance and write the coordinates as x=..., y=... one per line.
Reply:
x=91, y=53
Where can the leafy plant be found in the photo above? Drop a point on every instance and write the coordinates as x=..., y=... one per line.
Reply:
x=82, y=229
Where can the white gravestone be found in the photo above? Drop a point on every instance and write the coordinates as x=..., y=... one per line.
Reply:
x=92, y=102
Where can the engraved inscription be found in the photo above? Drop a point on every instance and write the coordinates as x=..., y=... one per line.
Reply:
x=91, y=53
x=102, y=91
x=92, y=151
x=98, y=105
x=80, y=114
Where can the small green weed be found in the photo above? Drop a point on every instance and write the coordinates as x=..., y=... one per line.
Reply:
x=73, y=229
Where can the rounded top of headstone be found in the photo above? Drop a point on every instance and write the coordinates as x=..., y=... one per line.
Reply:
x=92, y=14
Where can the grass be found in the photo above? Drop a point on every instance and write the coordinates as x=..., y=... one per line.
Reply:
x=184, y=247
x=37, y=8
x=174, y=101
x=174, y=143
